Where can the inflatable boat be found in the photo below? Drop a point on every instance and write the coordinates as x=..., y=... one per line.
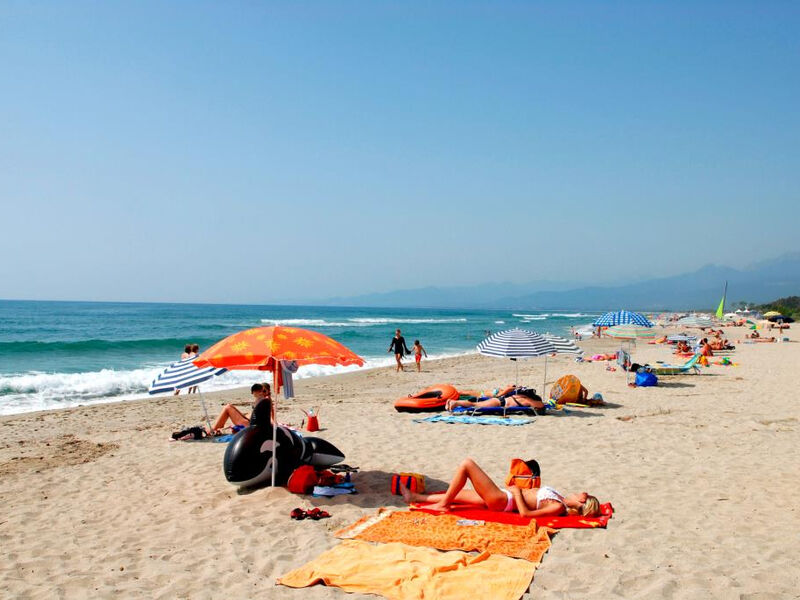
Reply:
x=430, y=399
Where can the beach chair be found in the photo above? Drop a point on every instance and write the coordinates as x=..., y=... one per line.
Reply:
x=690, y=366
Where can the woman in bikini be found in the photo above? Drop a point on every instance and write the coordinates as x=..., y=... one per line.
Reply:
x=516, y=399
x=261, y=394
x=535, y=502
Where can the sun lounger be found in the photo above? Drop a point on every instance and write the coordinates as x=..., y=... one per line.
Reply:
x=689, y=366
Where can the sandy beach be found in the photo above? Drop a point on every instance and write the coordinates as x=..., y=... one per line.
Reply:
x=702, y=472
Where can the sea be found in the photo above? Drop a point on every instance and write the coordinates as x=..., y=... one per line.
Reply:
x=62, y=354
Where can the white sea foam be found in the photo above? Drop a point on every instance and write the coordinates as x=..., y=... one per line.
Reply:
x=572, y=315
x=500, y=322
x=355, y=322
x=531, y=317
x=312, y=323
x=29, y=392
x=385, y=320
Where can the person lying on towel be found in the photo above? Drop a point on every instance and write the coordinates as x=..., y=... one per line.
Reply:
x=535, y=502
x=520, y=397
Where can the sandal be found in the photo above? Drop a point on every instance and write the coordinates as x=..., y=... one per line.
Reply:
x=298, y=514
x=316, y=514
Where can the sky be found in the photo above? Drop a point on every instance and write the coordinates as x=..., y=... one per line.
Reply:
x=255, y=152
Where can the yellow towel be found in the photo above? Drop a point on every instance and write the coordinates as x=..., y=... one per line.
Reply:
x=444, y=533
x=401, y=572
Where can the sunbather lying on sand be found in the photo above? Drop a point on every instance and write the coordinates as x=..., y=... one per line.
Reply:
x=720, y=345
x=518, y=399
x=535, y=502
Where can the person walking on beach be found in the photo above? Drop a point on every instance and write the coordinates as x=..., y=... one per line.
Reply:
x=193, y=354
x=398, y=344
x=418, y=352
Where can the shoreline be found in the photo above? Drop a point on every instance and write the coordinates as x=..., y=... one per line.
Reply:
x=236, y=385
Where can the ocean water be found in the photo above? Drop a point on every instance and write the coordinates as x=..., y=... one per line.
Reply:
x=61, y=354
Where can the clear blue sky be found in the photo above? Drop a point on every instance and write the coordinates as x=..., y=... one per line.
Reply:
x=272, y=150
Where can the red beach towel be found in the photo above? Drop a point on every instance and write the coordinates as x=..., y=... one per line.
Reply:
x=512, y=518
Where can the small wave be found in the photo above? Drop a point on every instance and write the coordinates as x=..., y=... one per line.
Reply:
x=313, y=323
x=96, y=345
x=570, y=315
x=533, y=317
x=386, y=320
x=500, y=322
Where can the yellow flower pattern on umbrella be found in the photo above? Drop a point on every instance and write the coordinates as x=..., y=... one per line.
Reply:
x=240, y=346
x=304, y=342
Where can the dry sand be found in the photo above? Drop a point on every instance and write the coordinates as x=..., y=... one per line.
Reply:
x=702, y=471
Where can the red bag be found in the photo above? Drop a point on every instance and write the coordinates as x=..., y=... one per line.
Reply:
x=413, y=481
x=302, y=480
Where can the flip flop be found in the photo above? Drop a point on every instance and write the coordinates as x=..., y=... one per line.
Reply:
x=298, y=514
x=316, y=514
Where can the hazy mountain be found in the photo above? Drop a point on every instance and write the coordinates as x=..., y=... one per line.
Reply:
x=702, y=288
x=448, y=297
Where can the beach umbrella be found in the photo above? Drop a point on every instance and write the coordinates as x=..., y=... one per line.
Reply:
x=682, y=337
x=563, y=345
x=631, y=333
x=183, y=374
x=515, y=344
x=780, y=318
x=263, y=349
x=771, y=313
x=622, y=317
x=695, y=321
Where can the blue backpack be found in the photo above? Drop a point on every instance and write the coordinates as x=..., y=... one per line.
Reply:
x=646, y=379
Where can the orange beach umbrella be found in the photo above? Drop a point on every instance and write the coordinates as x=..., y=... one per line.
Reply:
x=262, y=349
x=259, y=348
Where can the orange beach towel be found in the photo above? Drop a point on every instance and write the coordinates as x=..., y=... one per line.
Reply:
x=401, y=572
x=444, y=533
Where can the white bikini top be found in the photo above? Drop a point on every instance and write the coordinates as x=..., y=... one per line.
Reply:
x=547, y=493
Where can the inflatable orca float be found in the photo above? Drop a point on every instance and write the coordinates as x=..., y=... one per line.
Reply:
x=249, y=457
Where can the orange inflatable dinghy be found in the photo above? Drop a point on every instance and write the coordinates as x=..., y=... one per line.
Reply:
x=428, y=400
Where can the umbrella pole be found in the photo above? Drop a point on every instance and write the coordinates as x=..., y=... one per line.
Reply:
x=274, y=442
x=544, y=381
x=205, y=410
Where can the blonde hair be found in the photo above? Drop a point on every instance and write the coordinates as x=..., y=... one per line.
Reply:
x=590, y=508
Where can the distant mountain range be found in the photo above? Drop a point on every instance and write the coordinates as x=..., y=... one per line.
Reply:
x=700, y=289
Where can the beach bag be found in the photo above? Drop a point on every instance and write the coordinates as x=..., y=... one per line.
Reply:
x=566, y=389
x=413, y=481
x=524, y=474
x=302, y=480
x=646, y=379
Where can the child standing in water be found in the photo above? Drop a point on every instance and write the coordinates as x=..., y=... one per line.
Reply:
x=418, y=352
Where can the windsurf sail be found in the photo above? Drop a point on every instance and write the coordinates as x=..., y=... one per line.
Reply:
x=721, y=307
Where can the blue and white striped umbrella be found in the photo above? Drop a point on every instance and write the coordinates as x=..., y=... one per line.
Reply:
x=622, y=317
x=563, y=345
x=182, y=374
x=682, y=337
x=695, y=321
x=516, y=343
